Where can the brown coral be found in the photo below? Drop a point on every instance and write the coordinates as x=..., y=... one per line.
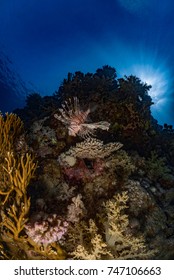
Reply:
x=19, y=172
x=10, y=128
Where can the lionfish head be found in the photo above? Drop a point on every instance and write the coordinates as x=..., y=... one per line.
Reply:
x=72, y=116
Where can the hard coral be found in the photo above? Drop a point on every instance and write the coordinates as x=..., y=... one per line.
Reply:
x=73, y=161
x=90, y=148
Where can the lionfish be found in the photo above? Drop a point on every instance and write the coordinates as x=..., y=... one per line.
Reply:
x=75, y=119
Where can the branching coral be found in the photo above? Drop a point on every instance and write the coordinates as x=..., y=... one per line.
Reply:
x=51, y=251
x=3, y=255
x=16, y=203
x=15, y=174
x=110, y=240
x=15, y=208
x=10, y=127
x=96, y=250
x=122, y=244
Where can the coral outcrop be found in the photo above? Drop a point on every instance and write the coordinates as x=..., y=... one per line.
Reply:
x=87, y=174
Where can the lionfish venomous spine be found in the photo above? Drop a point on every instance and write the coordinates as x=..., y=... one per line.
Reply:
x=74, y=118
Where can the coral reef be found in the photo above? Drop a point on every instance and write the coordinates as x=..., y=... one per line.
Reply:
x=122, y=244
x=87, y=174
x=95, y=248
x=116, y=242
x=92, y=149
x=16, y=173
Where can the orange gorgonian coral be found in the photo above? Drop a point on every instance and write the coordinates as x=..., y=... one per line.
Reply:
x=75, y=119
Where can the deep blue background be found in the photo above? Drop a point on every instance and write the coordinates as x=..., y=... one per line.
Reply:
x=41, y=41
